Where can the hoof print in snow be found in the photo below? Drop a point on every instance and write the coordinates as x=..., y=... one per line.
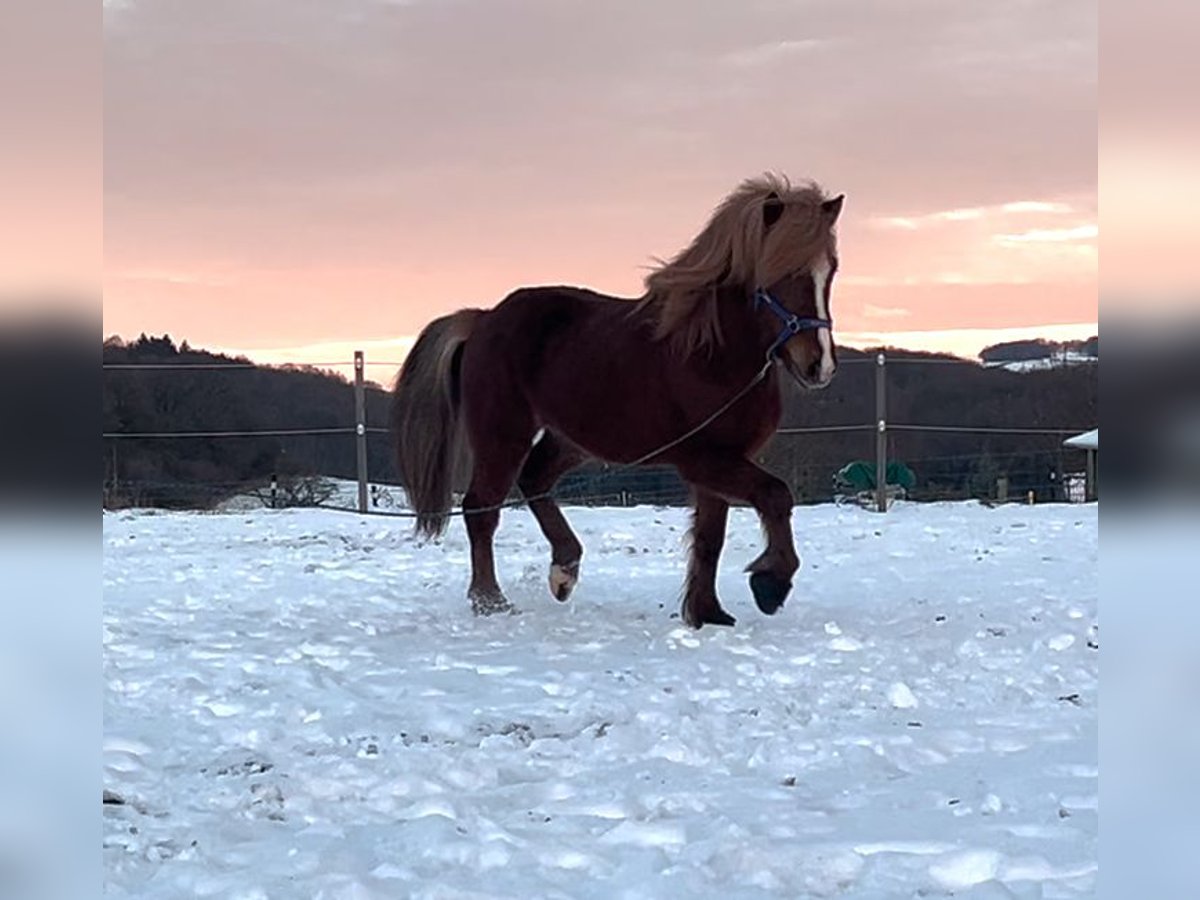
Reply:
x=267, y=802
x=520, y=731
x=366, y=745
x=249, y=767
x=409, y=739
x=769, y=591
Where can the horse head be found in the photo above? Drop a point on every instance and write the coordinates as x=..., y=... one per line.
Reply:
x=797, y=263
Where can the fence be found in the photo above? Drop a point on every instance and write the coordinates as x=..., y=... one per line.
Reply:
x=589, y=486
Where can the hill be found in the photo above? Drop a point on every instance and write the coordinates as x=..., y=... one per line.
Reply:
x=1042, y=351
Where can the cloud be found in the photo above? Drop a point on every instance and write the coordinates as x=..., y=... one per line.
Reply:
x=972, y=214
x=1035, y=206
x=1051, y=235
x=870, y=311
x=902, y=222
x=770, y=52
x=965, y=342
x=934, y=278
x=849, y=279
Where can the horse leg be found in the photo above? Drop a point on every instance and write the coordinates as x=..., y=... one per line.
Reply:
x=497, y=459
x=547, y=462
x=700, y=604
x=740, y=479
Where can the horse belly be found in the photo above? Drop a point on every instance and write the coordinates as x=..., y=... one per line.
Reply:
x=614, y=405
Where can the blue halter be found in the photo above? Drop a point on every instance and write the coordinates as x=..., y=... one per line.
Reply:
x=792, y=324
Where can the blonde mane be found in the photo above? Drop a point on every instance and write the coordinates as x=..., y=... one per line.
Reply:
x=735, y=248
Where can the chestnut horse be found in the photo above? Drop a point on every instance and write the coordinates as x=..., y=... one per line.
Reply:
x=686, y=375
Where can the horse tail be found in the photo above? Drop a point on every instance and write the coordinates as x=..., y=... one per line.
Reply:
x=431, y=446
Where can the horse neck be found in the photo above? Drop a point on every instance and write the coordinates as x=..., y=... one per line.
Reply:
x=745, y=332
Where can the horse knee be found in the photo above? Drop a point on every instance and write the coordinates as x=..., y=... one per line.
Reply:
x=775, y=500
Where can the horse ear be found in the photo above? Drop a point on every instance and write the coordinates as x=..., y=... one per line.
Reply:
x=833, y=208
x=772, y=209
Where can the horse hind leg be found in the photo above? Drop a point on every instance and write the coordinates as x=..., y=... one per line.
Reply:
x=496, y=463
x=549, y=460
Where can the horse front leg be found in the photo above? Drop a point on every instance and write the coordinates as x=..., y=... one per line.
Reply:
x=700, y=603
x=739, y=479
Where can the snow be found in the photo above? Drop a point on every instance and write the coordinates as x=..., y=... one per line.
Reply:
x=1089, y=440
x=343, y=494
x=299, y=703
x=900, y=695
x=1058, y=360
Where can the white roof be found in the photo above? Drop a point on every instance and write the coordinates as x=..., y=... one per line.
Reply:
x=1089, y=440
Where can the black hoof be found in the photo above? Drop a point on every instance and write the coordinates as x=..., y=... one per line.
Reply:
x=714, y=616
x=769, y=591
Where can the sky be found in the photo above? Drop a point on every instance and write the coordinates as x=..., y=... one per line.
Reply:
x=296, y=178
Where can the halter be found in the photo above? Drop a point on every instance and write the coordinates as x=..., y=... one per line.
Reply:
x=792, y=324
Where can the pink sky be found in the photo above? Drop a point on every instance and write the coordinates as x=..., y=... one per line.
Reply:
x=294, y=178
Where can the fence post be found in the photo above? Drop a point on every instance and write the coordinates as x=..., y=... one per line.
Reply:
x=360, y=429
x=881, y=432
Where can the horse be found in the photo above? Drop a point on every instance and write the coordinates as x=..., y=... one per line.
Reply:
x=686, y=375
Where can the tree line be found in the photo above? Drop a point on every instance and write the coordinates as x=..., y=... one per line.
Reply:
x=1039, y=348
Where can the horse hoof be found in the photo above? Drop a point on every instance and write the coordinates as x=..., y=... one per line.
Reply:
x=490, y=604
x=713, y=616
x=563, y=579
x=769, y=591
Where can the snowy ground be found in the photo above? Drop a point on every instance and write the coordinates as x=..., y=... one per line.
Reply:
x=299, y=704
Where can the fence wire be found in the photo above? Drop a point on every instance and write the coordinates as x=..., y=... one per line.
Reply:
x=586, y=486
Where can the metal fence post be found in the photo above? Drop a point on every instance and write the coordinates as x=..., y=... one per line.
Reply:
x=881, y=432
x=360, y=428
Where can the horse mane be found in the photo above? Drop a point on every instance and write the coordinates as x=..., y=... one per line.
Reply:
x=735, y=248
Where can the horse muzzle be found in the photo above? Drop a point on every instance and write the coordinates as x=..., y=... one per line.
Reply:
x=813, y=377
